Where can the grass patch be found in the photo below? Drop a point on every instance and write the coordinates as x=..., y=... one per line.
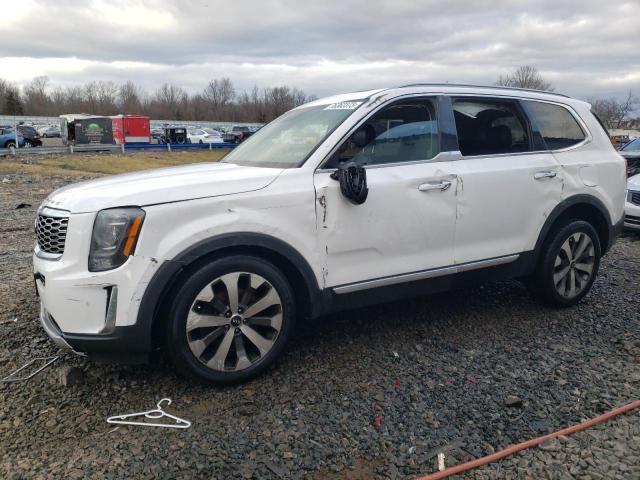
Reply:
x=105, y=163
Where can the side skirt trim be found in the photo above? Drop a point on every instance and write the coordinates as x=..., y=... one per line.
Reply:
x=424, y=274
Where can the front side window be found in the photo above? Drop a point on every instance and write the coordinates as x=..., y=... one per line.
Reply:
x=288, y=141
x=402, y=132
x=558, y=127
x=488, y=126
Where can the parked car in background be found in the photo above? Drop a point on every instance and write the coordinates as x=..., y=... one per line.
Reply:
x=237, y=134
x=631, y=153
x=173, y=135
x=31, y=136
x=345, y=201
x=204, y=135
x=157, y=133
x=632, y=206
x=8, y=138
x=619, y=141
x=51, y=132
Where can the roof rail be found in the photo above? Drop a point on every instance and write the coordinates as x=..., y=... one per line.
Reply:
x=497, y=87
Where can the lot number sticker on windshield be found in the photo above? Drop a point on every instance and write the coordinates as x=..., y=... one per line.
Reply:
x=343, y=106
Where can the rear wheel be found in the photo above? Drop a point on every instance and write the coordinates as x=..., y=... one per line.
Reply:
x=10, y=144
x=230, y=319
x=568, y=266
x=28, y=144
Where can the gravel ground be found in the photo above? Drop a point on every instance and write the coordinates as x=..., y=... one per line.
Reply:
x=372, y=393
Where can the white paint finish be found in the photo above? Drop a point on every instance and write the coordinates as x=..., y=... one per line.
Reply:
x=494, y=208
x=162, y=185
x=501, y=206
x=398, y=229
x=75, y=297
x=604, y=177
x=285, y=210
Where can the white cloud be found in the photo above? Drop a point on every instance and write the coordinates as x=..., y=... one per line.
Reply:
x=584, y=48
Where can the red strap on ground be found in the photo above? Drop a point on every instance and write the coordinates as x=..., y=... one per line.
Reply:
x=463, y=467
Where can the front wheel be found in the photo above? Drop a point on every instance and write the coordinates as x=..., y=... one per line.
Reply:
x=230, y=319
x=568, y=265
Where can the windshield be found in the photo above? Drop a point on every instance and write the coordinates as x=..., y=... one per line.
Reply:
x=288, y=141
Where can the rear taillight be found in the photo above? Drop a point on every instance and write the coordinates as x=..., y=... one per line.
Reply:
x=241, y=136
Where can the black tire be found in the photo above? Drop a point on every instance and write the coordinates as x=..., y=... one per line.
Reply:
x=28, y=144
x=10, y=144
x=177, y=343
x=542, y=283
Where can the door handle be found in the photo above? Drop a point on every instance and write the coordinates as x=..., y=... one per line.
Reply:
x=441, y=185
x=544, y=174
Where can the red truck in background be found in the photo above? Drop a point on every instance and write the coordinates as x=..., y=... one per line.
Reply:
x=131, y=129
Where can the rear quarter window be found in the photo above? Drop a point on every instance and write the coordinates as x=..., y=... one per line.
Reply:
x=557, y=125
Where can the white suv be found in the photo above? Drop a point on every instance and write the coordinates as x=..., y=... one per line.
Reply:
x=342, y=202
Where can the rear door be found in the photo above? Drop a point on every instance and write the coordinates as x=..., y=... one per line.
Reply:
x=509, y=183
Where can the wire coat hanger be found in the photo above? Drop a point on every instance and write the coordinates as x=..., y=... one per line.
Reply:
x=154, y=414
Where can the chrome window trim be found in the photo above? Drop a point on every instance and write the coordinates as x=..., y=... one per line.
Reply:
x=450, y=156
x=423, y=274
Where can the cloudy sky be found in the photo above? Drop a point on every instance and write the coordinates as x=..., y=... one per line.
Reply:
x=584, y=47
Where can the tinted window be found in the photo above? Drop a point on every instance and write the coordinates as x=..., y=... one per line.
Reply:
x=487, y=126
x=558, y=127
x=402, y=132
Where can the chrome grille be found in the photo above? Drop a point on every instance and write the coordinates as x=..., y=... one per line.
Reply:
x=51, y=231
x=634, y=197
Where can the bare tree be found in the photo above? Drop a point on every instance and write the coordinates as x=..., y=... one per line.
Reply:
x=219, y=92
x=169, y=101
x=615, y=113
x=129, y=98
x=218, y=101
x=525, y=76
x=11, y=103
x=36, y=98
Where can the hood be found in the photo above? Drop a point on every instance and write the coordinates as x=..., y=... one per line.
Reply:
x=164, y=185
x=634, y=183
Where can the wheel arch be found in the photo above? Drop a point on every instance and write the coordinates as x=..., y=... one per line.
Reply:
x=581, y=207
x=158, y=294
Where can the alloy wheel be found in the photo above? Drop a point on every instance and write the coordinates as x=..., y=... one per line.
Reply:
x=234, y=321
x=574, y=264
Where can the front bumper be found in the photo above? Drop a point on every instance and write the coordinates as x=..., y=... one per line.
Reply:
x=130, y=344
x=94, y=313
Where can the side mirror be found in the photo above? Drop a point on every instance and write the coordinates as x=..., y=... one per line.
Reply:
x=353, y=182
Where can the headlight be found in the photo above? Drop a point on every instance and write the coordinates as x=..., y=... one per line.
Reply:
x=115, y=233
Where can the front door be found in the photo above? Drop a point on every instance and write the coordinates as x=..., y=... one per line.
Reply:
x=407, y=223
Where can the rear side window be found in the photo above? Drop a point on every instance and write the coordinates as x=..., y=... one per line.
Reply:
x=490, y=126
x=558, y=127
